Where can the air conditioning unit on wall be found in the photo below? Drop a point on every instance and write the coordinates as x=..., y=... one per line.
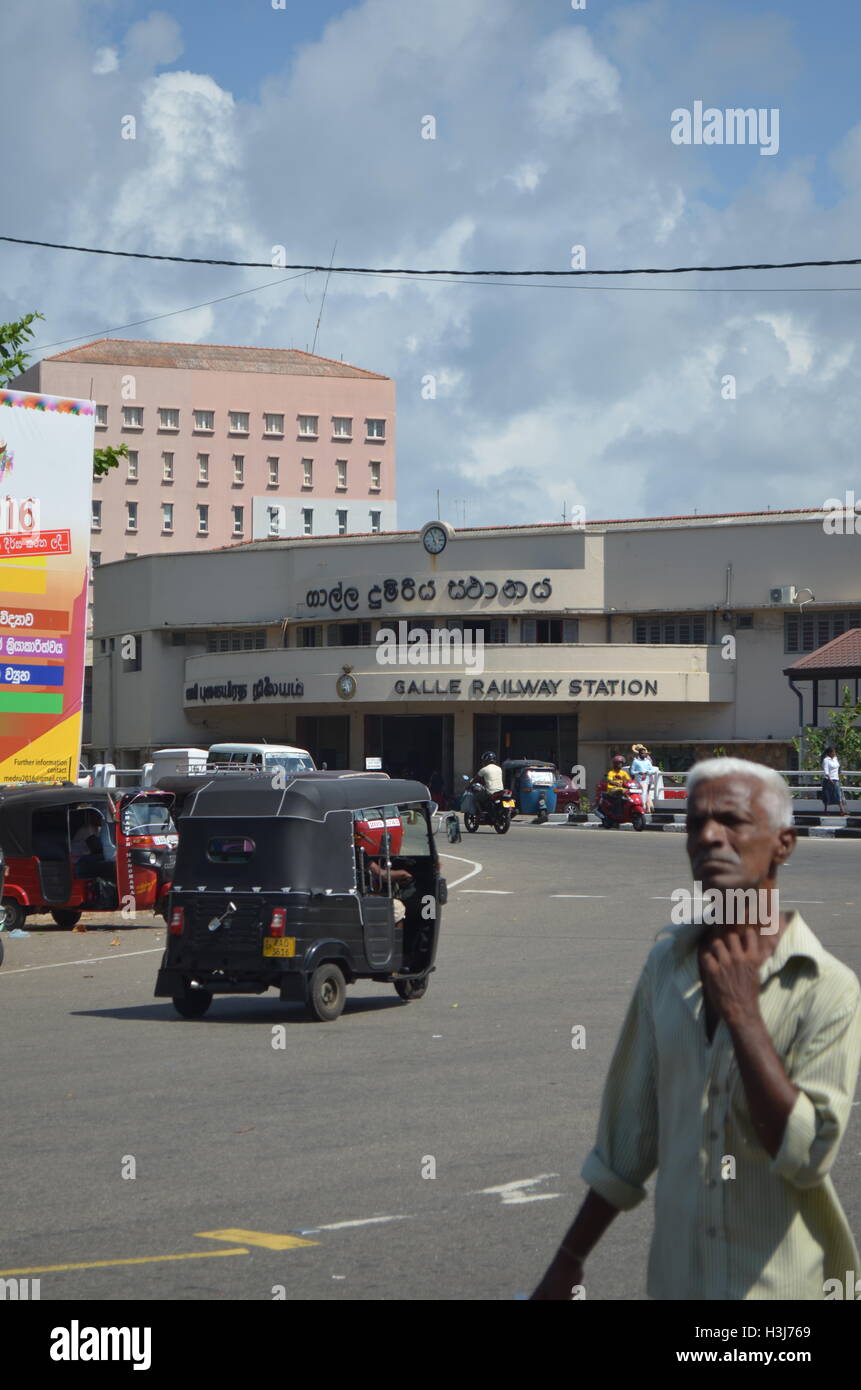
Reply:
x=786, y=594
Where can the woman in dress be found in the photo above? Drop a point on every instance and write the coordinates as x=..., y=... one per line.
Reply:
x=643, y=770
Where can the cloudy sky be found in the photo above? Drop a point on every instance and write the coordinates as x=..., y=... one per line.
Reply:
x=258, y=126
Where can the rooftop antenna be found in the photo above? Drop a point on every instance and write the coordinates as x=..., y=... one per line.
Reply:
x=323, y=300
x=437, y=505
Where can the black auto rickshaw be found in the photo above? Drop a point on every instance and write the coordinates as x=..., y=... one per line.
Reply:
x=533, y=785
x=305, y=889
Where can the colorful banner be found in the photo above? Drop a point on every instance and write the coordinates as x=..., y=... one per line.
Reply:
x=46, y=473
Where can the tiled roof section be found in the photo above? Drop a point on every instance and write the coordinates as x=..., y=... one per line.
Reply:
x=841, y=652
x=208, y=357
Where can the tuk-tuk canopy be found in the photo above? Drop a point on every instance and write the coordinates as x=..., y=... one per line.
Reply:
x=241, y=833
x=306, y=796
x=19, y=804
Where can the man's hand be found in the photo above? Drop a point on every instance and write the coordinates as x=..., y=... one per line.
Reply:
x=559, y=1282
x=730, y=966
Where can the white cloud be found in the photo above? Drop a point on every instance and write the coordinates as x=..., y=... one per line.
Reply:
x=106, y=60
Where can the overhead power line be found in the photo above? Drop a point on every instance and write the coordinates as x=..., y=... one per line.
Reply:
x=402, y=270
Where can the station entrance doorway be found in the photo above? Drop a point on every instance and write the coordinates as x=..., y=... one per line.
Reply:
x=549, y=738
x=412, y=745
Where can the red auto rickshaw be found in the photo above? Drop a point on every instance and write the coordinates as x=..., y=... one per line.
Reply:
x=41, y=829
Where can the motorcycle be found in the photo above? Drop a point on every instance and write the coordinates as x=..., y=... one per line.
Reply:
x=613, y=813
x=474, y=814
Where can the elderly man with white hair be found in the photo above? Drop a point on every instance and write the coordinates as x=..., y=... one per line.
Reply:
x=732, y=1078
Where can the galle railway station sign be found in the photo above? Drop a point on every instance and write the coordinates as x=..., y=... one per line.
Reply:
x=379, y=685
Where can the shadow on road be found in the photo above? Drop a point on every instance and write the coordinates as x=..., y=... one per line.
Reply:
x=227, y=1009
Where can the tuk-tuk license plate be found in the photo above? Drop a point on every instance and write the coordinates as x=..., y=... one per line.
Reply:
x=279, y=945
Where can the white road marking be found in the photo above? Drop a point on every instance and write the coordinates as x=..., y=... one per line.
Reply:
x=499, y=892
x=475, y=870
x=578, y=895
x=55, y=965
x=513, y=1193
x=342, y=1225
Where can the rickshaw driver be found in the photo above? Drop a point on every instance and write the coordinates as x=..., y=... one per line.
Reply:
x=87, y=849
x=379, y=878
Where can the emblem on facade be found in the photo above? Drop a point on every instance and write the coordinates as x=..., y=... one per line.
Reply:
x=346, y=684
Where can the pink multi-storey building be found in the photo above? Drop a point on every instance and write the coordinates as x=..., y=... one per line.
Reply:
x=229, y=443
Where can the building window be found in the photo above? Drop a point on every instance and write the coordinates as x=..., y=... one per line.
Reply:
x=308, y=426
x=132, y=468
x=167, y=468
x=272, y=464
x=132, y=417
x=311, y=636
x=341, y=468
x=168, y=419
x=273, y=424
x=96, y=520
x=238, y=520
x=307, y=472
x=342, y=523
x=342, y=426
x=685, y=628
x=238, y=421
x=203, y=468
x=274, y=514
x=375, y=521
x=350, y=634
x=238, y=469
x=101, y=417
x=130, y=555
x=203, y=520
x=376, y=476
x=167, y=518
x=95, y=558
x=549, y=630
x=308, y=521
x=131, y=516
x=243, y=640
x=204, y=421
x=805, y=634
x=376, y=429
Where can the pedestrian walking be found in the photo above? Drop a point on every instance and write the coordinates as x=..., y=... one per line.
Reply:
x=733, y=1076
x=831, y=791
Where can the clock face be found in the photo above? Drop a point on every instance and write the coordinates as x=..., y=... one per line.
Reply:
x=434, y=540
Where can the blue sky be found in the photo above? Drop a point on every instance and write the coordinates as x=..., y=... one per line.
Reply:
x=258, y=127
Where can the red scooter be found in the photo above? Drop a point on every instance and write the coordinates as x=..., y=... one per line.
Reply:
x=614, y=811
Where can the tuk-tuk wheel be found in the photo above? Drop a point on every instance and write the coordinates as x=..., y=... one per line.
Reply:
x=66, y=917
x=15, y=916
x=411, y=989
x=193, y=1003
x=327, y=993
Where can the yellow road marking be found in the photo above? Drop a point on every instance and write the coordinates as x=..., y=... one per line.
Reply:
x=271, y=1242
x=136, y=1260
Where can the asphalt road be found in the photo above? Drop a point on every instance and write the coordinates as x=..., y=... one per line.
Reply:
x=328, y=1138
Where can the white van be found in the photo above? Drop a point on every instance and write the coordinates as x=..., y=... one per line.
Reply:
x=260, y=757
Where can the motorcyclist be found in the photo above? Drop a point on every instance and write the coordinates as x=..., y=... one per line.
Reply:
x=489, y=775
x=618, y=782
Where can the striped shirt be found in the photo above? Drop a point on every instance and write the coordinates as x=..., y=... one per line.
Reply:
x=730, y=1221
